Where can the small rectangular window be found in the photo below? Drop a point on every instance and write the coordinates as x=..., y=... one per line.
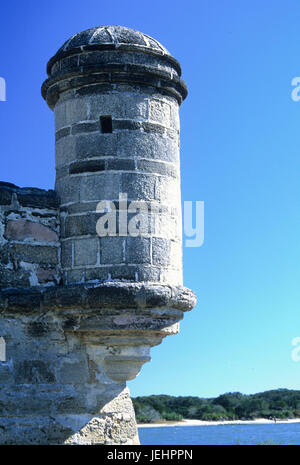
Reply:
x=106, y=124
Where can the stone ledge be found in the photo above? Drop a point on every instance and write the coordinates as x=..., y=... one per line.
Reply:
x=28, y=196
x=133, y=48
x=87, y=78
x=110, y=295
x=118, y=322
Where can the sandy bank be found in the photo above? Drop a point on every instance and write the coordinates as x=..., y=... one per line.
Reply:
x=216, y=423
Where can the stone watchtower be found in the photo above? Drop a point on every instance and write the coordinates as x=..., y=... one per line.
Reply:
x=97, y=264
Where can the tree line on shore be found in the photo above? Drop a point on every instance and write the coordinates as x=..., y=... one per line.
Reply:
x=277, y=403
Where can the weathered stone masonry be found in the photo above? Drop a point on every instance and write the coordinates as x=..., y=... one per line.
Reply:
x=78, y=312
x=29, y=237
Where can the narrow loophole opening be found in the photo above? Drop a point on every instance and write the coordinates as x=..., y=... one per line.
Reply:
x=106, y=124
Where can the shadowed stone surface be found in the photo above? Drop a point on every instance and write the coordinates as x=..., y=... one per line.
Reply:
x=22, y=229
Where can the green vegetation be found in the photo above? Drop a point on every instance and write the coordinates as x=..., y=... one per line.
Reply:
x=279, y=403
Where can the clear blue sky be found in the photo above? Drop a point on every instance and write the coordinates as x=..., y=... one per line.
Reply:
x=239, y=154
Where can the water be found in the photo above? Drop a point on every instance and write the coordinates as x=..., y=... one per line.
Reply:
x=274, y=433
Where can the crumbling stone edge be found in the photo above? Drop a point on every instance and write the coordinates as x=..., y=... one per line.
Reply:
x=117, y=295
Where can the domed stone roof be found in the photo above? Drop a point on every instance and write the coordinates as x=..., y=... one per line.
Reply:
x=116, y=36
x=111, y=55
x=111, y=38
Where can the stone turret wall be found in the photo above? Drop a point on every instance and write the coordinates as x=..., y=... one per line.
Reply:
x=29, y=237
x=53, y=389
x=80, y=307
x=139, y=158
x=45, y=369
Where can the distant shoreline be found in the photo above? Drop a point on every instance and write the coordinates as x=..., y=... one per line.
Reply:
x=187, y=422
